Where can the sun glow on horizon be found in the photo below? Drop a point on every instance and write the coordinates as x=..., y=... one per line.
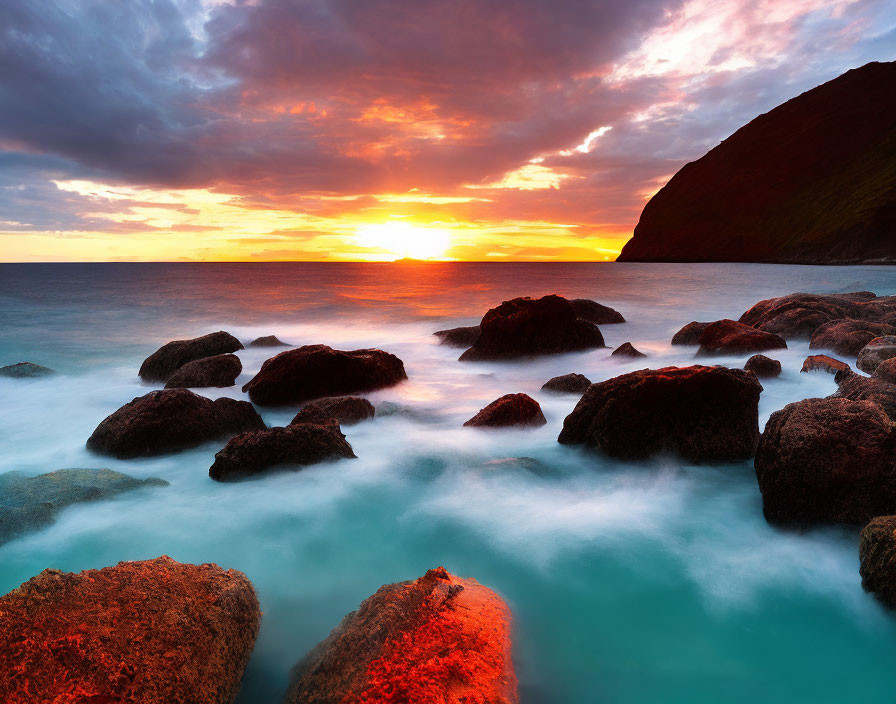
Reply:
x=402, y=240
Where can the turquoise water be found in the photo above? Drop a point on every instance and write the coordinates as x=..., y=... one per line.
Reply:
x=629, y=582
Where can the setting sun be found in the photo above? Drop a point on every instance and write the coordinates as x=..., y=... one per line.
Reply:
x=400, y=240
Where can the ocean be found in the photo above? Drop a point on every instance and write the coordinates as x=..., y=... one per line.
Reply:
x=630, y=582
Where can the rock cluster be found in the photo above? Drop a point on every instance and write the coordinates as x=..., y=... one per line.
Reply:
x=161, y=364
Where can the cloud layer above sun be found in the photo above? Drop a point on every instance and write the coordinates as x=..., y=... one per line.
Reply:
x=346, y=130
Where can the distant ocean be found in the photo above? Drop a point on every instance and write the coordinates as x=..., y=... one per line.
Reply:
x=630, y=583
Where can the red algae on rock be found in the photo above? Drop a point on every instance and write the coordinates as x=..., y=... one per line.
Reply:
x=153, y=632
x=440, y=639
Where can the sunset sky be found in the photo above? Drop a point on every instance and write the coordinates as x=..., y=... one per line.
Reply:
x=374, y=129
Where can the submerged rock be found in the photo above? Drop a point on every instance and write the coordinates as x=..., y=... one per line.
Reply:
x=596, y=313
x=731, y=337
x=877, y=559
x=861, y=388
x=827, y=460
x=315, y=371
x=525, y=327
x=345, y=410
x=168, y=421
x=509, y=410
x=268, y=341
x=823, y=363
x=567, y=384
x=162, y=363
x=30, y=503
x=847, y=336
x=763, y=367
x=626, y=350
x=294, y=446
x=704, y=414
x=218, y=371
x=153, y=632
x=875, y=352
x=458, y=337
x=25, y=370
x=440, y=639
x=690, y=333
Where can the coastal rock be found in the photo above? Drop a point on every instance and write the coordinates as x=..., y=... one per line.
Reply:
x=823, y=363
x=875, y=352
x=153, y=632
x=626, y=350
x=30, y=503
x=458, y=337
x=527, y=326
x=798, y=315
x=509, y=410
x=218, y=371
x=294, y=446
x=268, y=341
x=861, y=388
x=877, y=559
x=704, y=414
x=847, y=336
x=596, y=313
x=162, y=363
x=886, y=371
x=345, y=410
x=763, y=367
x=690, y=333
x=808, y=182
x=25, y=370
x=731, y=337
x=440, y=639
x=315, y=371
x=168, y=421
x=567, y=384
x=827, y=460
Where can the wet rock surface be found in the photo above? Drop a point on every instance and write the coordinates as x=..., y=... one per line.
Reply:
x=703, y=414
x=861, y=388
x=886, y=371
x=731, y=337
x=626, y=349
x=25, y=370
x=567, y=384
x=458, y=337
x=268, y=341
x=763, y=367
x=509, y=410
x=168, y=421
x=294, y=446
x=848, y=336
x=154, y=632
x=439, y=638
x=316, y=371
x=218, y=371
x=345, y=410
x=162, y=363
x=690, y=333
x=798, y=315
x=877, y=559
x=824, y=363
x=595, y=312
x=875, y=352
x=31, y=503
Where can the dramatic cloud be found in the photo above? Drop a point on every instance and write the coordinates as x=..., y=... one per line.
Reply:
x=289, y=128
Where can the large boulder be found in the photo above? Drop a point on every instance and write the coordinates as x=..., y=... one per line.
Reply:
x=595, y=312
x=162, y=363
x=763, y=367
x=731, y=337
x=168, y=421
x=525, y=327
x=292, y=447
x=509, y=410
x=827, y=460
x=458, y=337
x=153, y=632
x=345, y=410
x=799, y=315
x=690, y=333
x=877, y=558
x=824, y=363
x=25, y=370
x=862, y=388
x=30, y=503
x=847, y=336
x=219, y=371
x=315, y=371
x=704, y=414
x=440, y=639
x=875, y=352
x=567, y=384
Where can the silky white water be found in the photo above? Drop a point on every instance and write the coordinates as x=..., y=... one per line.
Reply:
x=629, y=582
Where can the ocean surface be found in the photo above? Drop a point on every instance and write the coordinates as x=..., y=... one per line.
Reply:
x=633, y=583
